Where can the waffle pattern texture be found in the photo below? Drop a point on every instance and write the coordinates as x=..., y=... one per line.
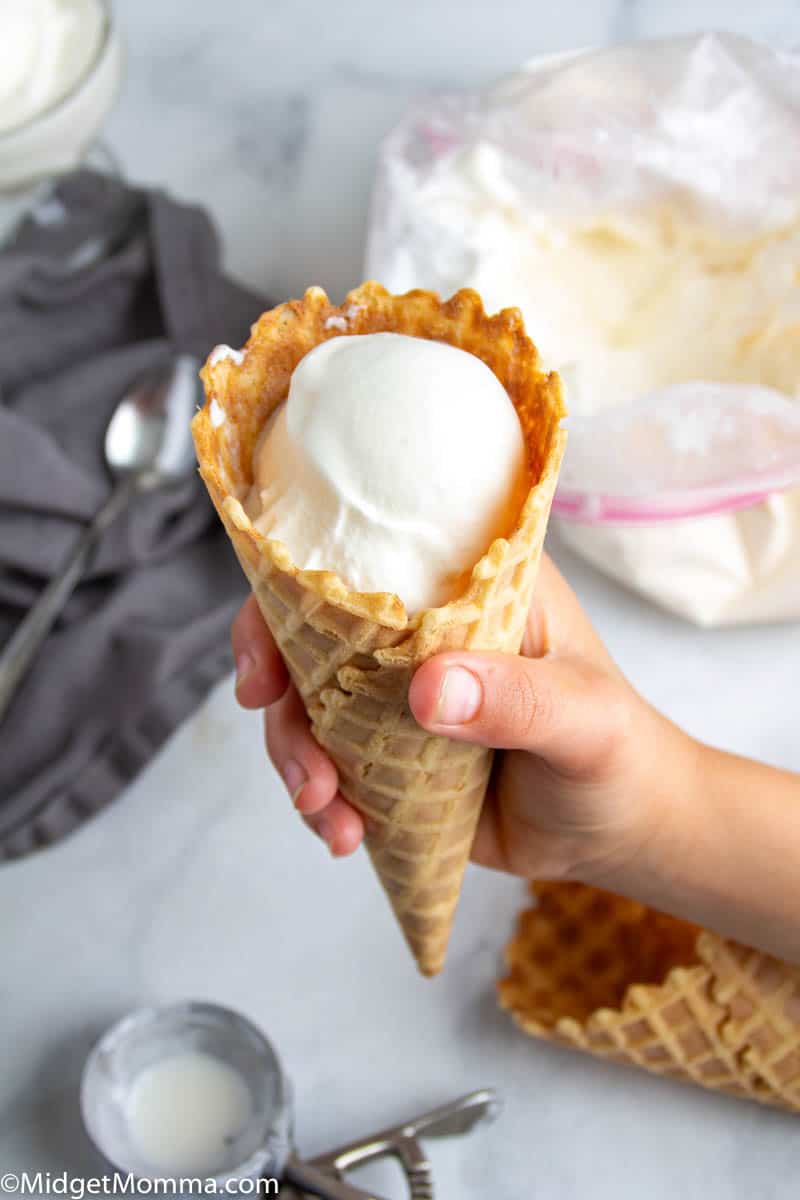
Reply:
x=352, y=654
x=604, y=974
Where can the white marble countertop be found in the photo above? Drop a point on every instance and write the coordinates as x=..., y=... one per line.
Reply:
x=201, y=882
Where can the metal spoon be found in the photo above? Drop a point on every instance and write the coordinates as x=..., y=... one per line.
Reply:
x=148, y=444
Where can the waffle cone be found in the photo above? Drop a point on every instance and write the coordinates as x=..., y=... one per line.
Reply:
x=352, y=654
x=594, y=971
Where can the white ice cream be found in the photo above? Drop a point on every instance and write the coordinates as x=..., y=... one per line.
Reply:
x=186, y=1113
x=395, y=462
x=46, y=48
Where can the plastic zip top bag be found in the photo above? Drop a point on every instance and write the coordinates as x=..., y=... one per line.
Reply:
x=688, y=450
x=641, y=206
x=711, y=121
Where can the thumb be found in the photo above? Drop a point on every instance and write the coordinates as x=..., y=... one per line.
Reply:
x=563, y=709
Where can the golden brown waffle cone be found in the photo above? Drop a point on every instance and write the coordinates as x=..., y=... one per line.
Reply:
x=600, y=973
x=352, y=654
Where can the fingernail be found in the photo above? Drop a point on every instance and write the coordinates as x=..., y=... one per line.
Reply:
x=324, y=827
x=295, y=778
x=460, y=697
x=244, y=667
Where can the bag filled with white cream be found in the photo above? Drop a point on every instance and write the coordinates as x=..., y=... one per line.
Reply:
x=641, y=205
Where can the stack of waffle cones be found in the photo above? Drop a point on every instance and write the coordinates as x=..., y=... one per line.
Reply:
x=352, y=655
x=591, y=970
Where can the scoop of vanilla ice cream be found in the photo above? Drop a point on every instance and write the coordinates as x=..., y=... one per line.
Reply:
x=394, y=462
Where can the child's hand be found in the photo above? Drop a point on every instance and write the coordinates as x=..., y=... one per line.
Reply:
x=592, y=783
x=583, y=780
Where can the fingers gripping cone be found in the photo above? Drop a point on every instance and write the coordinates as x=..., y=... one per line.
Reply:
x=352, y=654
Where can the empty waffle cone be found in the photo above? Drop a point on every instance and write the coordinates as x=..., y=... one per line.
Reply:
x=594, y=971
x=352, y=654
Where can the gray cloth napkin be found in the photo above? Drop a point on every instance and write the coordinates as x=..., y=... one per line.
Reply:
x=103, y=283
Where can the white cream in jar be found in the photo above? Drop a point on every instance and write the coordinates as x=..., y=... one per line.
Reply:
x=47, y=47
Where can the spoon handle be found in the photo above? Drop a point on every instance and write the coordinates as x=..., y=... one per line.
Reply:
x=22, y=647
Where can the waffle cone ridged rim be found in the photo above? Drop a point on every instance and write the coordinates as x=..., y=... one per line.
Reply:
x=288, y=332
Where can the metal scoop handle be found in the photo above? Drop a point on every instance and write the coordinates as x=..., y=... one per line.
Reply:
x=400, y=1142
x=460, y=1116
x=312, y=1180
